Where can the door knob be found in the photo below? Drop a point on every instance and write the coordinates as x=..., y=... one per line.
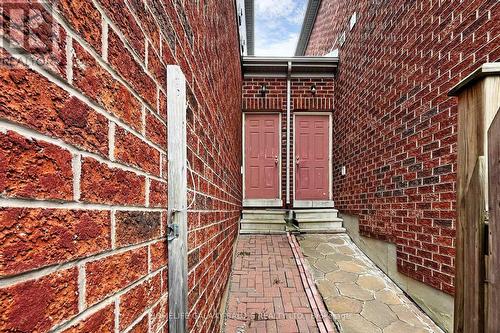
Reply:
x=276, y=159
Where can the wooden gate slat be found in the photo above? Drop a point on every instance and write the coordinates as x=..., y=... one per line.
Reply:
x=473, y=245
x=478, y=102
x=493, y=299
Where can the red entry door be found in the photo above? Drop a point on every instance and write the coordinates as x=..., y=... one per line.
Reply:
x=261, y=156
x=312, y=144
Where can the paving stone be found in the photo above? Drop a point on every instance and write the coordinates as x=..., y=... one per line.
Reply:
x=326, y=265
x=378, y=313
x=387, y=297
x=371, y=282
x=360, y=262
x=363, y=300
x=341, y=276
x=406, y=315
x=345, y=250
x=308, y=243
x=235, y=326
x=326, y=288
x=342, y=305
x=350, y=267
x=336, y=240
x=402, y=327
x=271, y=326
x=337, y=257
x=266, y=288
x=358, y=324
x=287, y=325
x=325, y=249
x=315, y=238
x=354, y=291
x=316, y=273
x=310, y=252
x=429, y=322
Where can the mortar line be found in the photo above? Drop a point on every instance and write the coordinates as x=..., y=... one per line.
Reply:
x=49, y=269
x=72, y=91
x=32, y=134
x=70, y=205
x=115, y=298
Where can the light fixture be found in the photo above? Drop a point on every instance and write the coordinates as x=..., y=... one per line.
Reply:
x=263, y=90
x=313, y=89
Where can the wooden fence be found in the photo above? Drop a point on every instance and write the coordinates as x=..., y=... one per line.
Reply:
x=493, y=268
x=478, y=195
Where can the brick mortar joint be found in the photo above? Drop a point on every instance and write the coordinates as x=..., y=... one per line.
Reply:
x=103, y=64
x=41, y=272
x=77, y=93
x=75, y=151
x=114, y=298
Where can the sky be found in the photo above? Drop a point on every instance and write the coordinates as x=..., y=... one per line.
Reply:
x=277, y=26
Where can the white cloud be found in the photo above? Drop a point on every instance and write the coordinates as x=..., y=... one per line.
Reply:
x=277, y=26
x=287, y=10
x=283, y=48
x=270, y=9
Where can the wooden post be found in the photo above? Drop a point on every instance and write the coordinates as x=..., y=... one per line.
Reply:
x=478, y=102
x=177, y=200
x=493, y=295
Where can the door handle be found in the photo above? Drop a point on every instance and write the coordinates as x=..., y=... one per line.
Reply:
x=276, y=159
x=297, y=160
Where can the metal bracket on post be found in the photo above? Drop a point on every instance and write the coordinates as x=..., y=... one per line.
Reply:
x=172, y=228
x=173, y=232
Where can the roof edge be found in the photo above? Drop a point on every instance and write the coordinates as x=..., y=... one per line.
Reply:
x=300, y=59
x=249, y=25
x=307, y=26
x=307, y=67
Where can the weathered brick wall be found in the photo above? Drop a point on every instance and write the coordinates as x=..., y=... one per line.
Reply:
x=394, y=126
x=83, y=168
x=275, y=101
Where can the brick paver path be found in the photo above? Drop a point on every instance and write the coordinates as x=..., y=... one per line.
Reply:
x=266, y=292
x=361, y=298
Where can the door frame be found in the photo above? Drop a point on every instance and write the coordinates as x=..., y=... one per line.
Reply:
x=278, y=202
x=314, y=203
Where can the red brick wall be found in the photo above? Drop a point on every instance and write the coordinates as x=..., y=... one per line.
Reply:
x=83, y=169
x=395, y=128
x=275, y=101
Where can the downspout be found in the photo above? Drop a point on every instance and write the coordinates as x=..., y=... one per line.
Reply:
x=288, y=107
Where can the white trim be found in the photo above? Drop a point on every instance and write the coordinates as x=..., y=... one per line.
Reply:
x=262, y=203
x=266, y=202
x=315, y=203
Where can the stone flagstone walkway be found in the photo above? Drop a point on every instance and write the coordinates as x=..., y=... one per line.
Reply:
x=360, y=297
x=266, y=292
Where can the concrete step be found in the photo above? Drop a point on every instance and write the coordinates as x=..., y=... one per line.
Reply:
x=323, y=231
x=264, y=211
x=264, y=232
x=316, y=214
x=244, y=220
x=263, y=221
x=319, y=221
x=256, y=215
x=320, y=225
x=263, y=226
